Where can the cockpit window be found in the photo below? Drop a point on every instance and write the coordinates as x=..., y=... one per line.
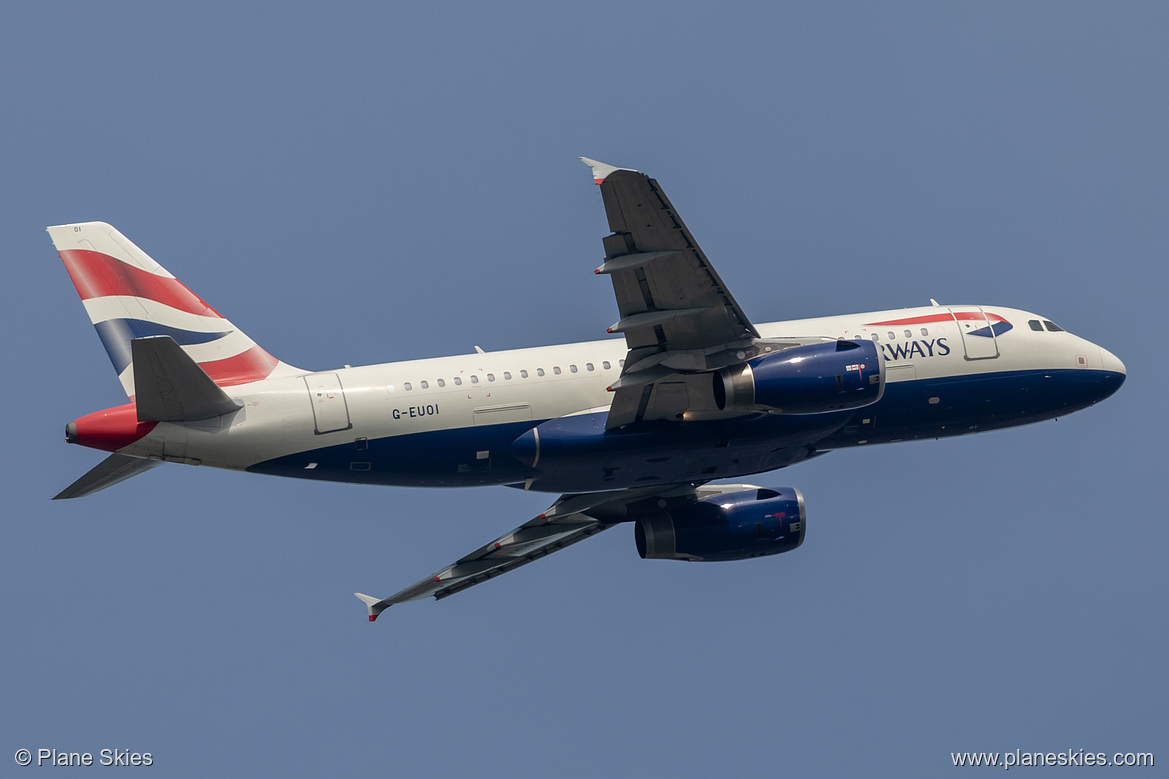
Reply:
x=1053, y=327
x=1035, y=325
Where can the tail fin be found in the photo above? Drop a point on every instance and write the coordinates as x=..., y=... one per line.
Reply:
x=128, y=295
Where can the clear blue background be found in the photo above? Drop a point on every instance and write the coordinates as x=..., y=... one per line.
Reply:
x=368, y=182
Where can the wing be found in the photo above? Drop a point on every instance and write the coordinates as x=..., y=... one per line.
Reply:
x=677, y=315
x=571, y=518
x=551, y=531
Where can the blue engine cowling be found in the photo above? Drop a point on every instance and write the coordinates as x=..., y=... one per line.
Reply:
x=734, y=526
x=810, y=379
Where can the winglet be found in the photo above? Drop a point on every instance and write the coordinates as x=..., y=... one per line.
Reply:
x=371, y=603
x=601, y=171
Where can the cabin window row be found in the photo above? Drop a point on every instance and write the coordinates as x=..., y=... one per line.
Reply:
x=891, y=335
x=457, y=381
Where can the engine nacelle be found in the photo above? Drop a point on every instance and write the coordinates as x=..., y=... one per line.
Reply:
x=734, y=526
x=809, y=379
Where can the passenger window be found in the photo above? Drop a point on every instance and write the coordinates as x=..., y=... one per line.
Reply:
x=606, y=365
x=441, y=383
x=506, y=376
x=876, y=337
x=892, y=336
x=909, y=334
x=458, y=381
x=491, y=377
x=523, y=374
x=423, y=384
x=1034, y=323
x=407, y=386
x=391, y=388
x=621, y=362
x=539, y=371
x=588, y=366
x=925, y=331
x=1053, y=327
x=556, y=369
x=572, y=369
x=474, y=379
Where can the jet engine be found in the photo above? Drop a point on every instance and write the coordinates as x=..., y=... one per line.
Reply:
x=809, y=379
x=733, y=526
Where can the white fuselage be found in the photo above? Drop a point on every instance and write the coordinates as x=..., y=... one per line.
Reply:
x=302, y=414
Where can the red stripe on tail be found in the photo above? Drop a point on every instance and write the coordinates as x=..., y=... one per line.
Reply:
x=253, y=365
x=98, y=275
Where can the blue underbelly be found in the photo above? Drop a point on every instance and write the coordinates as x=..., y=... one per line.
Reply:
x=576, y=454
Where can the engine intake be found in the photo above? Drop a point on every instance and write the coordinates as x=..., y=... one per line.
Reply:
x=733, y=526
x=811, y=379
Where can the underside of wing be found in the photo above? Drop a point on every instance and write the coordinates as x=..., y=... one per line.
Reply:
x=668, y=294
x=521, y=546
x=680, y=321
x=570, y=519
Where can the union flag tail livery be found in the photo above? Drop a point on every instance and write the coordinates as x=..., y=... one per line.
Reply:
x=638, y=429
x=128, y=295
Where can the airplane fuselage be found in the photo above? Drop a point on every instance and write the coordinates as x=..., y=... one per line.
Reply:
x=535, y=418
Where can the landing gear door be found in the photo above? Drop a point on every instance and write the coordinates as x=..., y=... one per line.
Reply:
x=978, y=337
x=330, y=413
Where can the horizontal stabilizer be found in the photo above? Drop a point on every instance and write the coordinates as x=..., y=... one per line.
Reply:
x=169, y=386
x=107, y=473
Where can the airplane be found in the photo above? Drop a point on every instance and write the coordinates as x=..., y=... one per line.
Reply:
x=642, y=429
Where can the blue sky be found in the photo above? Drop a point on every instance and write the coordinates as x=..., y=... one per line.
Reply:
x=374, y=182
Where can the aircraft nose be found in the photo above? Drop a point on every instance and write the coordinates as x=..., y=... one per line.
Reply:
x=1111, y=362
x=1112, y=377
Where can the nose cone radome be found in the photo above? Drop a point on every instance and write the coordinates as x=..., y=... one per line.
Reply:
x=1113, y=374
x=1112, y=363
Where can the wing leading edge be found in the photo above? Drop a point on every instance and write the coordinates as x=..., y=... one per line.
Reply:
x=532, y=540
